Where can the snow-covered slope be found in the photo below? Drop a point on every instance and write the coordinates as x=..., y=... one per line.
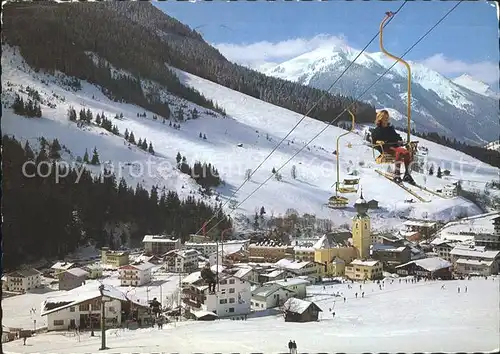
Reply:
x=438, y=104
x=477, y=86
x=254, y=124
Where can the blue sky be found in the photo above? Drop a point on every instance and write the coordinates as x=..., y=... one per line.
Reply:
x=259, y=33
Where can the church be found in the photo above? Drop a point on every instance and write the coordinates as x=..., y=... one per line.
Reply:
x=362, y=267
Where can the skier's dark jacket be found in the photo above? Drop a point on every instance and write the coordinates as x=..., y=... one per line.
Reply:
x=387, y=135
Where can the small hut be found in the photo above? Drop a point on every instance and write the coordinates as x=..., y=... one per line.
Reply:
x=204, y=315
x=297, y=310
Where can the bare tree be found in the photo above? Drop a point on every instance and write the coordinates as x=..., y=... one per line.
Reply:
x=293, y=172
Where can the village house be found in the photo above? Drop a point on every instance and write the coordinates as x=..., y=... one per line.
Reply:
x=232, y=296
x=297, y=285
x=248, y=274
x=496, y=225
x=360, y=270
x=269, y=296
x=94, y=270
x=475, y=260
x=135, y=274
x=269, y=251
x=181, y=261
x=424, y=228
x=60, y=267
x=114, y=258
x=442, y=248
x=23, y=280
x=391, y=256
x=490, y=240
x=296, y=310
x=272, y=274
x=81, y=307
x=160, y=244
x=431, y=268
x=387, y=239
x=305, y=268
x=450, y=190
x=72, y=278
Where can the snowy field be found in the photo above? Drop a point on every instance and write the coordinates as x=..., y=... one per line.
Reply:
x=258, y=126
x=406, y=317
x=17, y=309
x=457, y=230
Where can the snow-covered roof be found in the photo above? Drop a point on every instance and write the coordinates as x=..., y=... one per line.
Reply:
x=274, y=273
x=62, y=266
x=242, y=272
x=474, y=262
x=140, y=266
x=24, y=273
x=419, y=223
x=159, y=239
x=431, y=264
x=78, y=295
x=387, y=248
x=474, y=251
x=368, y=263
x=322, y=243
x=192, y=278
x=77, y=272
x=267, y=290
x=298, y=306
x=289, y=282
x=440, y=241
x=289, y=264
x=200, y=314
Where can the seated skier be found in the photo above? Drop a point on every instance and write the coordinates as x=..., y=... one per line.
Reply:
x=393, y=145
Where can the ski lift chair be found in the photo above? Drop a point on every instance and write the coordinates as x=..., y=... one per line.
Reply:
x=388, y=158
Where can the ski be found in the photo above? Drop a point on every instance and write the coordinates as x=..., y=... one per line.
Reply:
x=401, y=185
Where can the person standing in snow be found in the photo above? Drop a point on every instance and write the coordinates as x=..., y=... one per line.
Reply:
x=363, y=294
x=356, y=295
x=458, y=290
x=466, y=288
x=290, y=346
x=294, y=347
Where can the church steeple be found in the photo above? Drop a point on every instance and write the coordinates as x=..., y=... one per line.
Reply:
x=361, y=205
x=361, y=230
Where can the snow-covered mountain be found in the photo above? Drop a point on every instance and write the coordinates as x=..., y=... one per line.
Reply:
x=438, y=104
x=494, y=145
x=234, y=145
x=475, y=85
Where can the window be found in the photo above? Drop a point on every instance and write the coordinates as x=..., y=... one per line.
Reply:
x=231, y=300
x=231, y=309
x=58, y=322
x=223, y=301
x=72, y=309
x=222, y=282
x=231, y=290
x=231, y=281
x=84, y=307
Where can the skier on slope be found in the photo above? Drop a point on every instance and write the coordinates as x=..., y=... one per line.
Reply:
x=393, y=145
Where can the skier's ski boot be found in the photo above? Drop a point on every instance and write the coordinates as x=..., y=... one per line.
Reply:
x=409, y=179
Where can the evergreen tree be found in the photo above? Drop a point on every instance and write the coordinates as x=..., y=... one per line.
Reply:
x=431, y=171
x=82, y=115
x=273, y=171
x=144, y=145
x=194, y=114
x=179, y=114
x=139, y=143
x=439, y=173
x=178, y=158
x=293, y=172
x=55, y=149
x=150, y=149
x=131, y=138
x=204, y=137
x=98, y=120
x=30, y=155
x=95, y=158
x=72, y=114
x=262, y=211
x=201, y=136
x=86, y=157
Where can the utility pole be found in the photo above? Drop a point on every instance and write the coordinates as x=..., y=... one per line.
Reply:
x=103, y=319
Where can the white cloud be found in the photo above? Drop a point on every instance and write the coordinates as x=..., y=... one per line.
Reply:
x=484, y=71
x=265, y=54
